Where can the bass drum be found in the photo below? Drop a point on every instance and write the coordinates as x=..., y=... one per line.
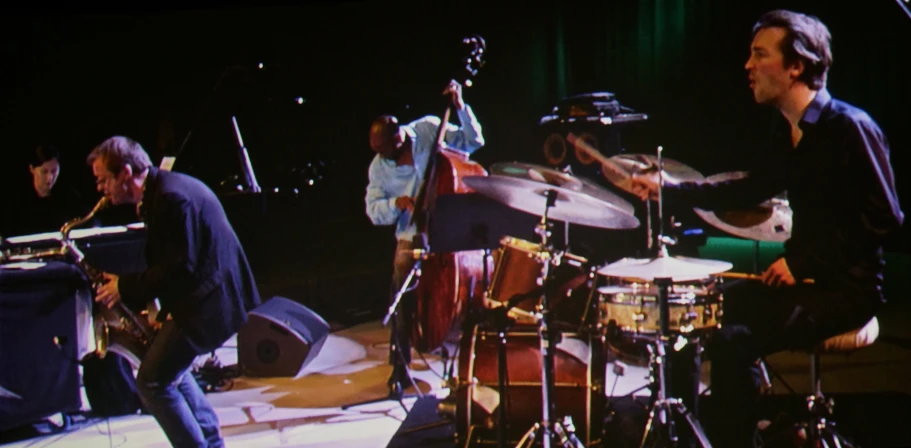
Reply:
x=578, y=379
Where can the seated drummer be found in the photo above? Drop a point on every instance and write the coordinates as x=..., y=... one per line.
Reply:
x=833, y=160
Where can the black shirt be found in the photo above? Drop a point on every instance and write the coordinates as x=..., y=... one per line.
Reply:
x=26, y=213
x=841, y=190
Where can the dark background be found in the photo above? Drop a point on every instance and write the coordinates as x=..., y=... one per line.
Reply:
x=173, y=77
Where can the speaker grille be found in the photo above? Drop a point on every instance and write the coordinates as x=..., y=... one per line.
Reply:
x=279, y=339
x=267, y=351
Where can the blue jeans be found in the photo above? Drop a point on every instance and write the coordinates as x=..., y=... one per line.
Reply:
x=170, y=392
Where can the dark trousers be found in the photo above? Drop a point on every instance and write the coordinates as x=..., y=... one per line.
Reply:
x=758, y=321
x=170, y=392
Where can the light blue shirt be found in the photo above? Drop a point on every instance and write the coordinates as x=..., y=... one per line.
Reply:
x=387, y=181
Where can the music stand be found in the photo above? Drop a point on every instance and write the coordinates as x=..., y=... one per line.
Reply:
x=472, y=221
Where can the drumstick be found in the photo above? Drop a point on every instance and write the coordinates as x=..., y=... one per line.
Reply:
x=607, y=163
x=738, y=275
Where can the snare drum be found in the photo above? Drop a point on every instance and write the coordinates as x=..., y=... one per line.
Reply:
x=517, y=273
x=633, y=308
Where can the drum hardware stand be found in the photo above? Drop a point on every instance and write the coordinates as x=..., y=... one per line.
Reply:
x=664, y=406
x=395, y=387
x=561, y=432
x=661, y=418
x=502, y=322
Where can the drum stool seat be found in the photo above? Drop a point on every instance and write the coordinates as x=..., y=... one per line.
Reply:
x=819, y=427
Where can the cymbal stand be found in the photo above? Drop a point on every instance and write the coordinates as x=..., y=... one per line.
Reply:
x=549, y=430
x=660, y=417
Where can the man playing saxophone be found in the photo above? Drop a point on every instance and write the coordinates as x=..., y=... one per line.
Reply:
x=197, y=269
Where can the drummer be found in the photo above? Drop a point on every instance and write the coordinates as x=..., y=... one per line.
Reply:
x=833, y=160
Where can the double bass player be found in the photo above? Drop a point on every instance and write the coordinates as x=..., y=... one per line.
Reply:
x=396, y=175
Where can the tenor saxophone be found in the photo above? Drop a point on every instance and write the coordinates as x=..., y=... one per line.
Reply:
x=117, y=329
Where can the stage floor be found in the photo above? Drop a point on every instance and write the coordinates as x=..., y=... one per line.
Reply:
x=351, y=367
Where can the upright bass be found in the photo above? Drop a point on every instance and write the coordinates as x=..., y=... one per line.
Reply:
x=448, y=280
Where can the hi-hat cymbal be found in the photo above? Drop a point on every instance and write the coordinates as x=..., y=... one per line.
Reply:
x=619, y=169
x=768, y=221
x=571, y=204
x=679, y=269
x=549, y=175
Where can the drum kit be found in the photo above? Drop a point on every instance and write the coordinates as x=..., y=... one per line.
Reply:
x=661, y=300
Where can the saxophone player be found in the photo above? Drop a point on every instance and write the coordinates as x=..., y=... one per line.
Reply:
x=197, y=269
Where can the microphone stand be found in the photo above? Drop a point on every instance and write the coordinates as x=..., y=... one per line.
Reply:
x=244, y=158
x=901, y=4
x=399, y=364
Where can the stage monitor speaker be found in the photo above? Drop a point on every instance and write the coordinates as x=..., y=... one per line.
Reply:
x=279, y=339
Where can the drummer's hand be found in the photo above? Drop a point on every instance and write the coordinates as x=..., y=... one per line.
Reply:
x=108, y=294
x=404, y=203
x=455, y=90
x=778, y=274
x=645, y=185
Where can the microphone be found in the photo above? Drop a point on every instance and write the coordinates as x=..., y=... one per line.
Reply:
x=420, y=251
x=417, y=254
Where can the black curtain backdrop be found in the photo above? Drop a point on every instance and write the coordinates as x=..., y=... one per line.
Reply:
x=172, y=79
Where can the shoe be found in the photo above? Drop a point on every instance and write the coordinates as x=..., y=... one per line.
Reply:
x=399, y=376
x=778, y=434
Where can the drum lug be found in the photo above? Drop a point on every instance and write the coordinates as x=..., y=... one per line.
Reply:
x=707, y=314
x=689, y=317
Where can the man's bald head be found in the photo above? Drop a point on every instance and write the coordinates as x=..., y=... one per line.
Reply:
x=386, y=137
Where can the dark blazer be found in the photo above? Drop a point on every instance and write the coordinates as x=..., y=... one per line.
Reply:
x=196, y=266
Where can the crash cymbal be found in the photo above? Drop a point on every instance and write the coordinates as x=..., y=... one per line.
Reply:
x=571, y=204
x=621, y=167
x=545, y=174
x=679, y=269
x=769, y=221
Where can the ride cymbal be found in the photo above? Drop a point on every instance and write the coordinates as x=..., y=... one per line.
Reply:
x=571, y=204
x=541, y=173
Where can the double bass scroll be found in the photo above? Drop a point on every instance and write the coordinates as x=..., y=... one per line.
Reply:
x=431, y=187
